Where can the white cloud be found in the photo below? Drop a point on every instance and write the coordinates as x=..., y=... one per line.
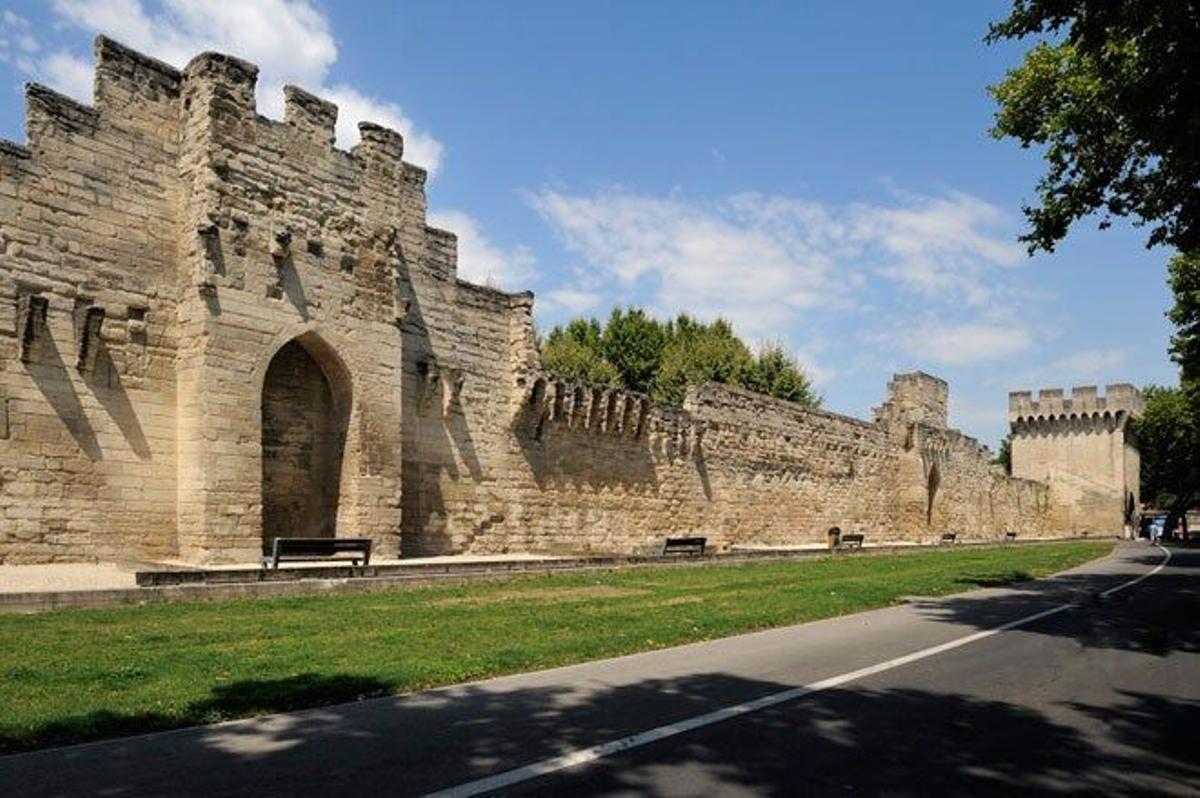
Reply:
x=17, y=42
x=573, y=301
x=939, y=246
x=1090, y=366
x=353, y=107
x=14, y=20
x=949, y=344
x=290, y=40
x=481, y=261
x=704, y=259
x=70, y=75
x=767, y=261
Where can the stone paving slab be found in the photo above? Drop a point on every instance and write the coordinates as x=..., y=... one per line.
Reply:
x=65, y=577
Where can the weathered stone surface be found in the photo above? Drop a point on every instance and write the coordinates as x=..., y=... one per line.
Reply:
x=1082, y=448
x=215, y=327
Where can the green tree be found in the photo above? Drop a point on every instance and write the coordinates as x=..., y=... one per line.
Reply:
x=1004, y=455
x=574, y=352
x=776, y=373
x=1169, y=438
x=664, y=359
x=1113, y=95
x=634, y=342
x=1184, y=271
x=699, y=353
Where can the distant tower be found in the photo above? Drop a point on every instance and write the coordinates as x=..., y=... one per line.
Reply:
x=914, y=398
x=1083, y=449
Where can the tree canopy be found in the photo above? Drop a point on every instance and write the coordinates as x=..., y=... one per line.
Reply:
x=1113, y=94
x=1169, y=439
x=662, y=359
x=1004, y=454
x=574, y=351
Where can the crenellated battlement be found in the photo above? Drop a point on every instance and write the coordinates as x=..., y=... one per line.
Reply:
x=594, y=409
x=216, y=86
x=1085, y=402
x=221, y=329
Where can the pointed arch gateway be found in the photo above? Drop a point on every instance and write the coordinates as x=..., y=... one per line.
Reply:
x=306, y=400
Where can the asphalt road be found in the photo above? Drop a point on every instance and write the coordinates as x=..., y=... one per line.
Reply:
x=1101, y=694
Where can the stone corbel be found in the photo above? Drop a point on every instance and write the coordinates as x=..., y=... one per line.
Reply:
x=209, y=243
x=427, y=384
x=281, y=245
x=31, y=325
x=88, y=321
x=400, y=303
x=386, y=236
x=452, y=383
x=400, y=306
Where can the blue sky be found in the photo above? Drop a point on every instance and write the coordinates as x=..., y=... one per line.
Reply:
x=819, y=173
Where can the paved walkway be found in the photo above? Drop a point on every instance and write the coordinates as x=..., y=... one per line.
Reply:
x=66, y=577
x=78, y=577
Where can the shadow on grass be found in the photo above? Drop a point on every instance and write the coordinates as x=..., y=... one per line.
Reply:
x=236, y=700
x=995, y=579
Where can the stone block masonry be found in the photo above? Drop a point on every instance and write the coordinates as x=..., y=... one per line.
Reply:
x=1082, y=447
x=216, y=328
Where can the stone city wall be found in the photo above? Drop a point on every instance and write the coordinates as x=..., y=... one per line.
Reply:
x=216, y=328
x=604, y=470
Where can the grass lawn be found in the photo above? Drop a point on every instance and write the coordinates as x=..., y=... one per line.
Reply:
x=77, y=675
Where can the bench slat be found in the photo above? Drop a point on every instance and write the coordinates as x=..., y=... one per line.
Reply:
x=694, y=545
x=851, y=540
x=293, y=549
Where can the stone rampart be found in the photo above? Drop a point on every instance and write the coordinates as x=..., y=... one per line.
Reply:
x=216, y=328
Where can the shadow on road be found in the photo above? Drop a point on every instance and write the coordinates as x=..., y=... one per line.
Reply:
x=1164, y=619
x=904, y=742
x=898, y=742
x=901, y=741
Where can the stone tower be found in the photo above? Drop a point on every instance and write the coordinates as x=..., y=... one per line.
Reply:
x=915, y=398
x=1083, y=449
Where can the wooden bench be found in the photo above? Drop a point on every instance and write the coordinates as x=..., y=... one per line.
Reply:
x=692, y=546
x=948, y=539
x=358, y=550
x=1009, y=537
x=852, y=540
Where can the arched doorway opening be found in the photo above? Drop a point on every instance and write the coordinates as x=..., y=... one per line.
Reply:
x=305, y=415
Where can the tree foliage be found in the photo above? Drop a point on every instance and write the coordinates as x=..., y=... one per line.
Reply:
x=1184, y=271
x=1113, y=94
x=633, y=341
x=663, y=359
x=776, y=373
x=1168, y=434
x=574, y=352
x=700, y=353
x=1004, y=455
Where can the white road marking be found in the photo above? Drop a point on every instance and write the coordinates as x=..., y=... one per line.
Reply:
x=1146, y=575
x=582, y=756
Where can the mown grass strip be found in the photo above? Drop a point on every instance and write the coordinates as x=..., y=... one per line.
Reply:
x=79, y=675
